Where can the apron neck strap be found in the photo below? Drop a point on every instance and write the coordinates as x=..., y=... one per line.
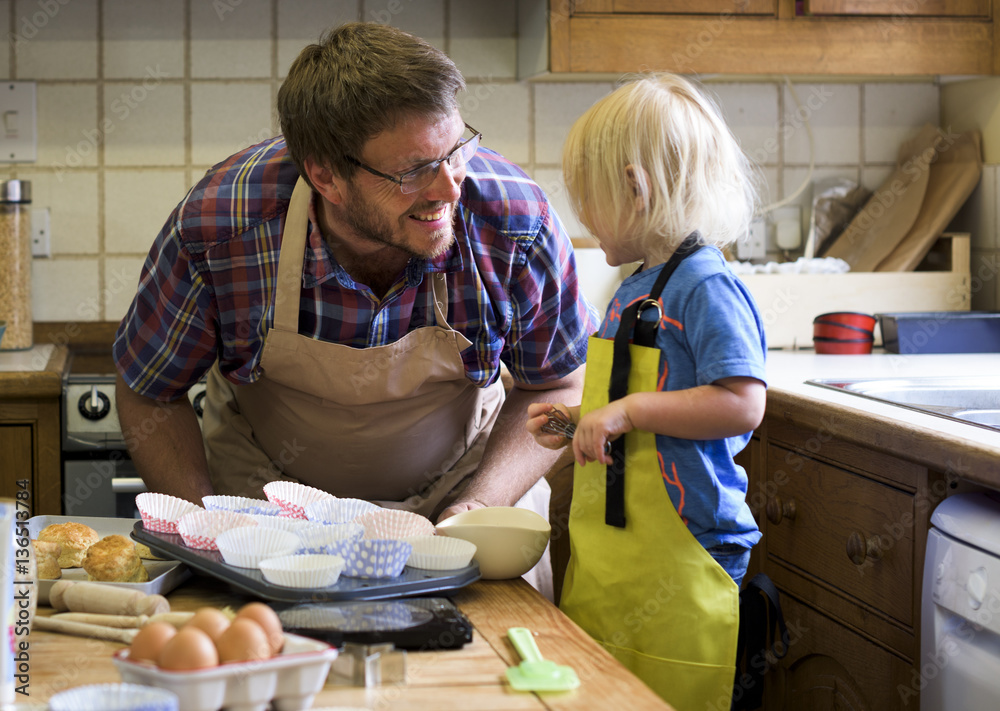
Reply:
x=645, y=335
x=288, y=290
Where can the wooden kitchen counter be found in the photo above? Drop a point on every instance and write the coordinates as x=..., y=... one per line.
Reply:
x=451, y=680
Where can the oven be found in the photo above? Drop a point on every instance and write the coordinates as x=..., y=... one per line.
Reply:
x=98, y=476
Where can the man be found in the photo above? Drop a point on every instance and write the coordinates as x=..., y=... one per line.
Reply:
x=352, y=322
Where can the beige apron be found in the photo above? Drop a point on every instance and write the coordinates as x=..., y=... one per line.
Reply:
x=398, y=424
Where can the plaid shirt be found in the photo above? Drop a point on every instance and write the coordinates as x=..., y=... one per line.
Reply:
x=207, y=288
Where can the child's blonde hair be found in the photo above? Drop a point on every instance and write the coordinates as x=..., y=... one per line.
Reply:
x=699, y=179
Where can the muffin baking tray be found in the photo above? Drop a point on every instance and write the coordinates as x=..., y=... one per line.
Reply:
x=412, y=581
x=164, y=575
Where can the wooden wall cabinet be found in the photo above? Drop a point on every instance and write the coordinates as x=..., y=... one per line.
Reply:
x=30, y=451
x=836, y=37
x=845, y=529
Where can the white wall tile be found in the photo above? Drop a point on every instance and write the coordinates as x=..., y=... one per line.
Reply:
x=423, y=18
x=501, y=112
x=484, y=38
x=557, y=107
x=121, y=277
x=301, y=22
x=833, y=114
x=69, y=134
x=872, y=176
x=71, y=198
x=137, y=203
x=231, y=40
x=55, y=40
x=226, y=118
x=144, y=123
x=143, y=34
x=893, y=114
x=751, y=111
x=65, y=289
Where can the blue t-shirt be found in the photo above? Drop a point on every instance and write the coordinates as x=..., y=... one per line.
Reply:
x=710, y=330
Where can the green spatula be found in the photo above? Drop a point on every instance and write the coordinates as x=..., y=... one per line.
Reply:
x=535, y=673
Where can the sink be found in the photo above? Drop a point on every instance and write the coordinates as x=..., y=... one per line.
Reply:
x=970, y=400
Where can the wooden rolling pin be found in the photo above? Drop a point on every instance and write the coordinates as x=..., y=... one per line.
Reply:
x=95, y=597
x=177, y=619
x=82, y=629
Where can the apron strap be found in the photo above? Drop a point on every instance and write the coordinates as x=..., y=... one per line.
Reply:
x=288, y=291
x=645, y=335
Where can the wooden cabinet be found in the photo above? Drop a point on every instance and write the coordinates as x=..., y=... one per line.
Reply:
x=852, y=37
x=845, y=528
x=30, y=434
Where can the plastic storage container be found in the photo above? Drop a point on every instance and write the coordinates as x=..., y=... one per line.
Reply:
x=941, y=332
x=15, y=264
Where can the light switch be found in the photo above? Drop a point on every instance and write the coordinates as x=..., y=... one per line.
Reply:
x=19, y=137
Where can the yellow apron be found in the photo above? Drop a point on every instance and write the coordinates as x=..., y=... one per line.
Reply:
x=648, y=591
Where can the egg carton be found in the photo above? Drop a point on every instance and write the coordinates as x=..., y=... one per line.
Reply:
x=289, y=681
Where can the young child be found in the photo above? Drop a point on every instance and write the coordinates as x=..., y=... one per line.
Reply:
x=660, y=532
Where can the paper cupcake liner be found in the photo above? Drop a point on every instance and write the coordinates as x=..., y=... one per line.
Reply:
x=283, y=523
x=199, y=529
x=321, y=539
x=338, y=510
x=303, y=571
x=377, y=558
x=440, y=552
x=241, y=504
x=114, y=697
x=293, y=497
x=160, y=512
x=395, y=524
x=247, y=547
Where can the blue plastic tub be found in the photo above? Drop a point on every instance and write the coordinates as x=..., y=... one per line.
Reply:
x=941, y=332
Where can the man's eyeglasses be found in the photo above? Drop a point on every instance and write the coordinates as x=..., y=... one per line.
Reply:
x=420, y=178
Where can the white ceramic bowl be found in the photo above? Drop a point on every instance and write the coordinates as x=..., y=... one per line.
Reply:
x=509, y=541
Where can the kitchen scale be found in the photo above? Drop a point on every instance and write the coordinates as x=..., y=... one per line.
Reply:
x=423, y=624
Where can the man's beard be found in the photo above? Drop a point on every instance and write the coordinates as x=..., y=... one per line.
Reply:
x=372, y=225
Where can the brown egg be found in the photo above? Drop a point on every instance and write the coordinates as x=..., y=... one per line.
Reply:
x=191, y=648
x=149, y=642
x=244, y=641
x=269, y=622
x=211, y=621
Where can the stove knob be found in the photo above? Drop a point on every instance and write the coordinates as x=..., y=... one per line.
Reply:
x=94, y=406
x=199, y=403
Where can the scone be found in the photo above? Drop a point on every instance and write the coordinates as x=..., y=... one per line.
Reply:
x=113, y=560
x=47, y=559
x=143, y=550
x=75, y=539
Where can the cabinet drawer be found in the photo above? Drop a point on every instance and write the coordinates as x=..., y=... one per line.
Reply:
x=817, y=513
x=830, y=667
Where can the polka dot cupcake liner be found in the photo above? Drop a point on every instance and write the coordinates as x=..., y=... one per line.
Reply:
x=440, y=552
x=199, y=529
x=283, y=523
x=323, y=538
x=395, y=524
x=338, y=510
x=293, y=497
x=114, y=697
x=161, y=512
x=241, y=504
x=375, y=558
x=246, y=547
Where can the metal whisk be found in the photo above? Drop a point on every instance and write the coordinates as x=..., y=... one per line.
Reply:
x=559, y=424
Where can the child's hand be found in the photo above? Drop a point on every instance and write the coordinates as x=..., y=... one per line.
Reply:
x=537, y=414
x=597, y=429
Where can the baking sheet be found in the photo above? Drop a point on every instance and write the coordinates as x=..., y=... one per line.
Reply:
x=412, y=581
x=164, y=575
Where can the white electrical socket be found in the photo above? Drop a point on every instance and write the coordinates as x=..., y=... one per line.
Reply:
x=755, y=244
x=41, y=245
x=18, y=132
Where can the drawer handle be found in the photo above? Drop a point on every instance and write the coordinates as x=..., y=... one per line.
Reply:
x=778, y=510
x=859, y=548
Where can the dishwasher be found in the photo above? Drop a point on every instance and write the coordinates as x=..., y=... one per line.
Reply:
x=960, y=618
